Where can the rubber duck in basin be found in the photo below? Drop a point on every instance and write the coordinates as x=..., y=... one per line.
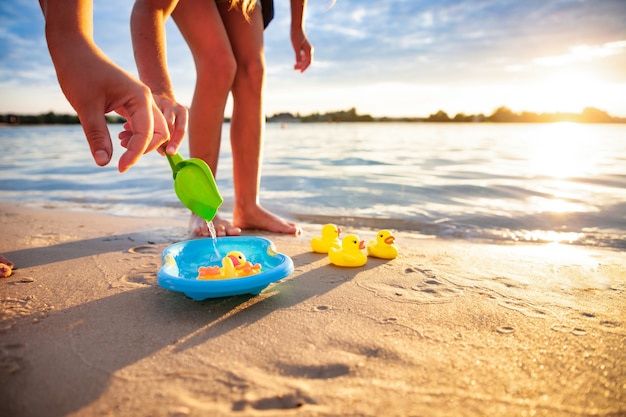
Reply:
x=234, y=265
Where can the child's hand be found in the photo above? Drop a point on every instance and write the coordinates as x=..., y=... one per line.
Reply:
x=303, y=50
x=175, y=116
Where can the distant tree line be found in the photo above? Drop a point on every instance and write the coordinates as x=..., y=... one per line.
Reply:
x=500, y=115
x=350, y=115
x=49, y=118
x=506, y=115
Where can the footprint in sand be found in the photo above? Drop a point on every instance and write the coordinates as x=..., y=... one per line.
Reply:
x=333, y=278
x=145, y=250
x=11, y=357
x=606, y=325
x=505, y=330
x=277, y=402
x=13, y=310
x=333, y=370
x=46, y=239
x=141, y=276
x=563, y=328
x=610, y=324
x=509, y=283
x=421, y=286
x=525, y=308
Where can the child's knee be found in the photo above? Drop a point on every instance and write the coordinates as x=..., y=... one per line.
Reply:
x=252, y=71
x=219, y=71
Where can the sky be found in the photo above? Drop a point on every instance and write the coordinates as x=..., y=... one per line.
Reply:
x=397, y=58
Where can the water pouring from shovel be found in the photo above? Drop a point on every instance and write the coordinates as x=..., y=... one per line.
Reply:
x=195, y=186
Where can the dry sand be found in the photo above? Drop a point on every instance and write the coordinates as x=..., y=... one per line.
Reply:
x=448, y=328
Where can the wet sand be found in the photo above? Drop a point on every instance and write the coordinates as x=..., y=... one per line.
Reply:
x=448, y=328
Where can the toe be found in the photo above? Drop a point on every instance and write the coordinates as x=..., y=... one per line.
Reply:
x=233, y=231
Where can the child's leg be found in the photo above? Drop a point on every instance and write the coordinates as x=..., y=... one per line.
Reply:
x=248, y=123
x=201, y=25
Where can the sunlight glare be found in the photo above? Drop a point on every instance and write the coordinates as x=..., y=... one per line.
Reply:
x=561, y=150
x=567, y=91
x=549, y=236
x=555, y=205
x=573, y=81
x=582, y=53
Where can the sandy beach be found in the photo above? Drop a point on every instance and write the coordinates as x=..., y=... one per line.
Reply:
x=449, y=328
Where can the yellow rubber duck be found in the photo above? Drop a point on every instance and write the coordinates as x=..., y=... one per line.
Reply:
x=383, y=247
x=329, y=237
x=234, y=265
x=349, y=253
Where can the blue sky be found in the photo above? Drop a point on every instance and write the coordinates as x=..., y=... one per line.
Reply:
x=386, y=57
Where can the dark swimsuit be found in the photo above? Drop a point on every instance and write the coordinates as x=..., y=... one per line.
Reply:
x=267, y=7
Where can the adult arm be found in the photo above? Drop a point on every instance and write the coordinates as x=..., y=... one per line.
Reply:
x=94, y=85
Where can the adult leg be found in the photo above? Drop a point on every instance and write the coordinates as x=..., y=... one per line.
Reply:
x=201, y=25
x=248, y=122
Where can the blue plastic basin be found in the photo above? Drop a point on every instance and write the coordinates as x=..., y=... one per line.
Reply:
x=180, y=263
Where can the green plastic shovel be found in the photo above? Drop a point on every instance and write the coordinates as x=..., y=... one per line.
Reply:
x=195, y=186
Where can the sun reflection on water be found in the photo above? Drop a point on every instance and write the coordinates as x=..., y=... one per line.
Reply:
x=562, y=153
x=544, y=236
x=562, y=150
x=556, y=205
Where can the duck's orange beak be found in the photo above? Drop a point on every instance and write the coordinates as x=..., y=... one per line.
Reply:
x=235, y=260
x=362, y=244
x=390, y=240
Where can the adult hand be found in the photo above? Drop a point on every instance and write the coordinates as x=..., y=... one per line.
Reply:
x=97, y=86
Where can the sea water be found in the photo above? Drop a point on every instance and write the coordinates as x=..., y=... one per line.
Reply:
x=490, y=182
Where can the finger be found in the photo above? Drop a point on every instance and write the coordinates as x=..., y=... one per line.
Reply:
x=299, y=53
x=125, y=135
x=169, y=116
x=124, y=142
x=141, y=136
x=304, y=57
x=170, y=119
x=161, y=130
x=97, y=133
x=180, y=127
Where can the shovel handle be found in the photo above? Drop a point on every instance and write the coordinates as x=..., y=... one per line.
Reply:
x=174, y=161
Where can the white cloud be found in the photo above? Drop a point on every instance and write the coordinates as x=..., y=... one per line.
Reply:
x=583, y=53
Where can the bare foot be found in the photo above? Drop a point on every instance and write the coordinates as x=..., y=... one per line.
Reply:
x=260, y=219
x=6, y=267
x=198, y=227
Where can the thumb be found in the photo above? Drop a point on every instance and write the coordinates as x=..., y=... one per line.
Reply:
x=97, y=133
